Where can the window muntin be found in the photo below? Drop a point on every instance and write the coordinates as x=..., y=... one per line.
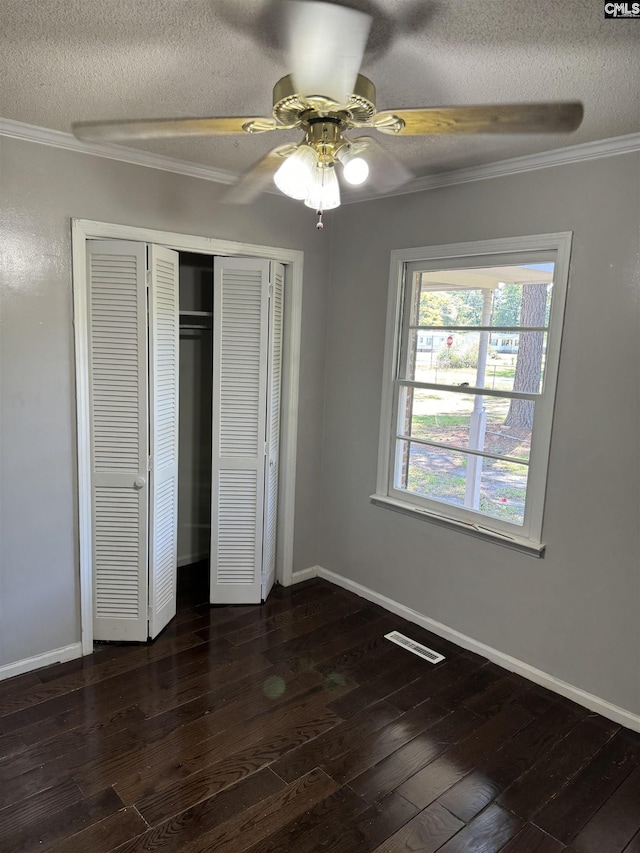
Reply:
x=452, y=451
x=443, y=475
x=433, y=360
x=446, y=418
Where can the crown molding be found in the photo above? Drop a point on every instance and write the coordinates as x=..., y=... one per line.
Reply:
x=501, y=168
x=59, y=139
x=515, y=166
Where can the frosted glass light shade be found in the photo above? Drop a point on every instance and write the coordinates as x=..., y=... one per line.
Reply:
x=324, y=191
x=356, y=171
x=295, y=175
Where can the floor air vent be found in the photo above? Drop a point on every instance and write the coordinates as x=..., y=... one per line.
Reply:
x=412, y=646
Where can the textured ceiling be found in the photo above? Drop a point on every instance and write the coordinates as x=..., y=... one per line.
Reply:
x=73, y=60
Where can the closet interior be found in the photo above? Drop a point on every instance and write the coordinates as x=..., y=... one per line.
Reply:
x=195, y=408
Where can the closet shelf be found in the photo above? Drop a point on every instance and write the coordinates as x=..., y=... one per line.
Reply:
x=196, y=313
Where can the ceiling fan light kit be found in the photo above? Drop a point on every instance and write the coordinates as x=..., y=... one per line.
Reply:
x=326, y=45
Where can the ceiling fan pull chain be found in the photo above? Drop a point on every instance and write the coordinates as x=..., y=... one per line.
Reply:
x=319, y=223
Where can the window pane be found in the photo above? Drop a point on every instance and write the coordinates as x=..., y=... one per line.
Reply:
x=491, y=487
x=485, y=296
x=491, y=424
x=506, y=361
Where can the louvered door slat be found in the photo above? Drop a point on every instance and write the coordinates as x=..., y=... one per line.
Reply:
x=163, y=384
x=240, y=327
x=119, y=448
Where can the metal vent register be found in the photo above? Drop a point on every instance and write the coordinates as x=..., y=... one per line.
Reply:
x=411, y=646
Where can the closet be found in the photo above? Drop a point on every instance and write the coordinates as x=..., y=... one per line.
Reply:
x=177, y=473
x=195, y=411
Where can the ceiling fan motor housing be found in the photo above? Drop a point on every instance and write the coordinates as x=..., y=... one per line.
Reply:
x=295, y=109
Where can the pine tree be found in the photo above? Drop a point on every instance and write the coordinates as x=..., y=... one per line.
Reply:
x=529, y=360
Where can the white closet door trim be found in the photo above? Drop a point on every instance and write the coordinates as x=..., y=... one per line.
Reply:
x=83, y=230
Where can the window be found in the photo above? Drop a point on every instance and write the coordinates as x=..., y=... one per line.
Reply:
x=473, y=342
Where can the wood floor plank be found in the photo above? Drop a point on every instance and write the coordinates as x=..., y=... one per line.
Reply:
x=367, y=831
x=487, y=833
x=172, y=734
x=185, y=756
x=105, y=835
x=343, y=768
x=84, y=722
x=69, y=687
x=261, y=821
x=614, y=825
x=389, y=773
x=353, y=644
x=634, y=845
x=428, y=685
x=38, y=754
x=531, y=791
x=11, y=744
x=181, y=691
x=58, y=825
x=224, y=772
x=589, y=789
x=338, y=740
x=346, y=612
x=284, y=617
x=531, y=839
x=465, y=689
x=277, y=650
x=379, y=678
x=436, y=778
x=29, y=812
x=425, y=833
x=305, y=833
x=483, y=784
x=19, y=684
x=226, y=809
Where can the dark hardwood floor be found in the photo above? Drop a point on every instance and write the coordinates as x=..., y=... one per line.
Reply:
x=297, y=727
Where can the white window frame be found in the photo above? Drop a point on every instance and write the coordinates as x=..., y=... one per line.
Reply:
x=555, y=247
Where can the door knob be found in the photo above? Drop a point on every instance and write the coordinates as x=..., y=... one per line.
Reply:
x=139, y=482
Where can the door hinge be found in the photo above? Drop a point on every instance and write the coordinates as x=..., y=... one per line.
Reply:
x=149, y=463
x=149, y=613
x=148, y=279
x=266, y=448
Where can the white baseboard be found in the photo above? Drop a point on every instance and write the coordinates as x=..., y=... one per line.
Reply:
x=576, y=694
x=305, y=574
x=37, y=661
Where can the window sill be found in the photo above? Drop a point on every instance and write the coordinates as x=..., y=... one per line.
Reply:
x=525, y=546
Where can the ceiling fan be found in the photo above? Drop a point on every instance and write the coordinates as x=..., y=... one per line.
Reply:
x=325, y=97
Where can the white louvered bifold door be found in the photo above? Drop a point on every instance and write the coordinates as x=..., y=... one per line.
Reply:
x=163, y=432
x=274, y=385
x=117, y=325
x=240, y=329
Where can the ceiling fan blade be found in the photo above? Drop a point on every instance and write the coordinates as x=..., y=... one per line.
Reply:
x=325, y=46
x=168, y=128
x=386, y=172
x=498, y=118
x=258, y=177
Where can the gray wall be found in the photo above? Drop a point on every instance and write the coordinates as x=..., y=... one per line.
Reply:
x=42, y=188
x=574, y=614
